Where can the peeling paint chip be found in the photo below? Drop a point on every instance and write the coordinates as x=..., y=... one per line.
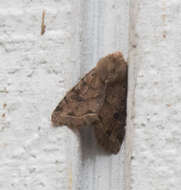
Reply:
x=98, y=100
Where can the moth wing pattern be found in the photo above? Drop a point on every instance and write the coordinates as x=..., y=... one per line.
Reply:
x=99, y=99
x=82, y=103
x=110, y=131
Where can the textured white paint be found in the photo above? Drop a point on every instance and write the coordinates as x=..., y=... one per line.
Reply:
x=35, y=73
x=154, y=116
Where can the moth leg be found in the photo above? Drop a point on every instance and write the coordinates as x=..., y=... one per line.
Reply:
x=104, y=138
x=74, y=121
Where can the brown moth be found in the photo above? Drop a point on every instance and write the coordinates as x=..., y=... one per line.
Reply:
x=98, y=100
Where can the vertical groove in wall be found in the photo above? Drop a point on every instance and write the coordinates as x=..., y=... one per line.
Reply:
x=104, y=30
x=36, y=71
x=131, y=98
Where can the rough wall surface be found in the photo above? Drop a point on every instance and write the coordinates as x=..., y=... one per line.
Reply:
x=35, y=73
x=154, y=116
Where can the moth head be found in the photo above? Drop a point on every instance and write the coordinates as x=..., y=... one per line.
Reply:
x=112, y=67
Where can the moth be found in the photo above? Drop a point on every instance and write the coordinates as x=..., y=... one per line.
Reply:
x=99, y=101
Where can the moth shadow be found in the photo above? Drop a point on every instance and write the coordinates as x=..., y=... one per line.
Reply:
x=89, y=146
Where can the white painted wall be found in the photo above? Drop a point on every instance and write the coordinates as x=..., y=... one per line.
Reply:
x=36, y=71
x=154, y=111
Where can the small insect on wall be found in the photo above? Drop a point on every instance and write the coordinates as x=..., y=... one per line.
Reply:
x=98, y=100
